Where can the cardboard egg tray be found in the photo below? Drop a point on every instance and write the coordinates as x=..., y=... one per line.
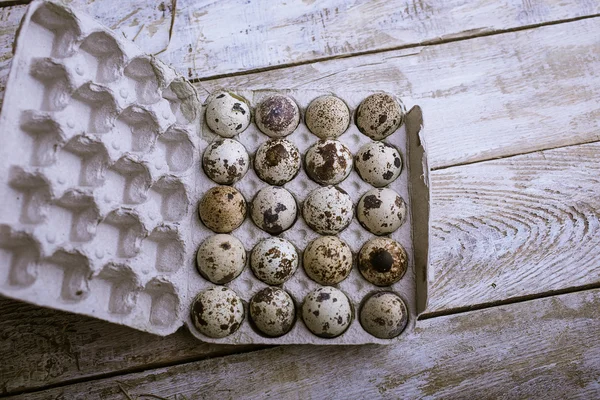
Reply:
x=101, y=158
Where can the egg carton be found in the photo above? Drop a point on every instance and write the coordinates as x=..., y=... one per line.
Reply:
x=102, y=164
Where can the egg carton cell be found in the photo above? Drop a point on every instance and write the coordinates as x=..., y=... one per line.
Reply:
x=47, y=137
x=176, y=149
x=20, y=255
x=54, y=83
x=103, y=56
x=76, y=273
x=57, y=26
x=98, y=104
x=127, y=181
x=165, y=249
x=164, y=302
x=123, y=286
x=183, y=101
x=82, y=215
x=33, y=195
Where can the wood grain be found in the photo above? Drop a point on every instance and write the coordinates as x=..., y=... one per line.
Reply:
x=546, y=348
x=41, y=347
x=224, y=37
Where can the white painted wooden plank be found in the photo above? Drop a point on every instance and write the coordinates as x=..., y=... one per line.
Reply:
x=546, y=348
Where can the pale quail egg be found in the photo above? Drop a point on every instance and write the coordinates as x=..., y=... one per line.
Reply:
x=221, y=258
x=222, y=209
x=384, y=315
x=274, y=210
x=382, y=261
x=378, y=163
x=274, y=260
x=326, y=312
x=379, y=115
x=272, y=311
x=217, y=312
x=327, y=117
x=277, y=161
x=328, y=162
x=327, y=260
x=225, y=161
x=277, y=116
x=227, y=114
x=381, y=211
x=327, y=210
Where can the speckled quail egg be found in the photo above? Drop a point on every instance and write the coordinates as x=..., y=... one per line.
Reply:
x=217, y=312
x=274, y=209
x=272, y=311
x=327, y=260
x=327, y=117
x=379, y=115
x=378, y=163
x=225, y=161
x=384, y=315
x=382, y=261
x=277, y=161
x=328, y=162
x=274, y=260
x=222, y=209
x=277, y=116
x=327, y=312
x=221, y=258
x=227, y=114
x=328, y=210
x=381, y=211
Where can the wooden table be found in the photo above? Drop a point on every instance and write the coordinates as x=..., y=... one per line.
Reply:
x=511, y=96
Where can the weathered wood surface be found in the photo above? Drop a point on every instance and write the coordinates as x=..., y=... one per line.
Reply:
x=40, y=347
x=546, y=348
x=215, y=38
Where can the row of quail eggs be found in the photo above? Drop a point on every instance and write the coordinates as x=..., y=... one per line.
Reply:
x=327, y=260
x=326, y=312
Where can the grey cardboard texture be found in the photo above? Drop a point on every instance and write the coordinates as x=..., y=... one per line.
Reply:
x=102, y=175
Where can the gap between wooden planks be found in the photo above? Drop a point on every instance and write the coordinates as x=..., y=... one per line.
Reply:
x=541, y=348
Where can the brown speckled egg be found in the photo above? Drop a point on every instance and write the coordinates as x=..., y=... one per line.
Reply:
x=382, y=261
x=327, y=312
x=225, y=161
x=379, y=115
x=274, y=210
x=274, y=260
x=328, y=162
x=222, y=209
x=277, y=161
x=384, y=315
x=378, y=163
x=217, y=312
x=381, y=211
x=328, y=210
x=327, y=260
x=327, y=117
x=272, y=311
x=277, y=116
x=227, y=114
x=221, y=258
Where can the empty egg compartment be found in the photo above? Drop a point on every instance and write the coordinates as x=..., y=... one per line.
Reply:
x=411, y=185
x=98, y=162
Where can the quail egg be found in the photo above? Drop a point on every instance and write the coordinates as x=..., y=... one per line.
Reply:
x=221, y=258
x=217, y=312
x=225, y=161
x=277, y=116
x=327, y=260
x=384, y=315
x=379, y=115
x=272, y=311
x=327, y=117
x=277, y=161
x=382, y=261
x=222, y=209
x=328, y=162
x=227, y=114
x=378, y=163
x=274, y=260
x=381, y=211
x=274, y=209
x=326, y=312
x=327, y=210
